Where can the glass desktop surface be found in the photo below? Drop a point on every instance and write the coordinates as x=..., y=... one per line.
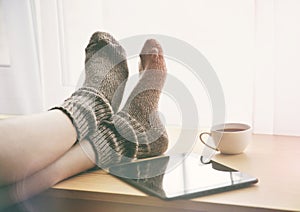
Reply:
x=188, y=178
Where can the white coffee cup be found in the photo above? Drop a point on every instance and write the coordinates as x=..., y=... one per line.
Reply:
x=229, y=138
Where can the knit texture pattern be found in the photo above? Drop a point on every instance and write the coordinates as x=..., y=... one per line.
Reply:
x=106, y=67
x=122, y=139
x=106, y=73
x=86, y=108
x=136, y=131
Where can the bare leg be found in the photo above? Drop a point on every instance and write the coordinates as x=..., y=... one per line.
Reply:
x=79, y=158
x=30, y=143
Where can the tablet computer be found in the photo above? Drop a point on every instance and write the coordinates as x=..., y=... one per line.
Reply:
x=181, y=176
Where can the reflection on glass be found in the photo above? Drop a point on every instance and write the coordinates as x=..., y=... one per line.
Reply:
x=190, y=177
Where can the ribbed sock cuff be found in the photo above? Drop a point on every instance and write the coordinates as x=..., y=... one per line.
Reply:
x=86, y=108
x=151, y=142
x=123, y=138
x=101, y=105
x=129, y=128
x=110, y=147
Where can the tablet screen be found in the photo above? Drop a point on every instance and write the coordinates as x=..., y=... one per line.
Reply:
x=188, y=178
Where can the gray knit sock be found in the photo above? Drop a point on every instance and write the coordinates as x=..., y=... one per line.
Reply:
x=136, y=131
x=106, y=67
x=106, y=70
x=142, y=104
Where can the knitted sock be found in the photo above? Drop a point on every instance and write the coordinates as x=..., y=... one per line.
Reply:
x=106, y=69
x=142, y=104
x=136, y=131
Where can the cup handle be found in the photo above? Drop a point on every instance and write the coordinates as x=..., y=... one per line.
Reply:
x=209, y=134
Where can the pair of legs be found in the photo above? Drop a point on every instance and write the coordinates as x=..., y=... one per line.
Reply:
x=35, y=157
x=37, y=151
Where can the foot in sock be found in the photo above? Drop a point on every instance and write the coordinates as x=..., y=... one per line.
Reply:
x=143, y=100
x=136, y=131
x=106, y=67
x=142, y=104
x=106, y=71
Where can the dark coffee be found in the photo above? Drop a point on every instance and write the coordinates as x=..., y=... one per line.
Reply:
x=230, y=130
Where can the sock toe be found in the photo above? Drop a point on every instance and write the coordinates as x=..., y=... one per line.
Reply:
x=151, y=56
x=103, y=39
x=149, y=45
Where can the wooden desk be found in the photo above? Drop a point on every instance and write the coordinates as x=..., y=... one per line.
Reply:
x=274, y=160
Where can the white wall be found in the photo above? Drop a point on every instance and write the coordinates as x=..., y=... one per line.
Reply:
x=20, y=81
x=287, y=67
x=222, y=30
x=4, y=48
x=277, y=98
